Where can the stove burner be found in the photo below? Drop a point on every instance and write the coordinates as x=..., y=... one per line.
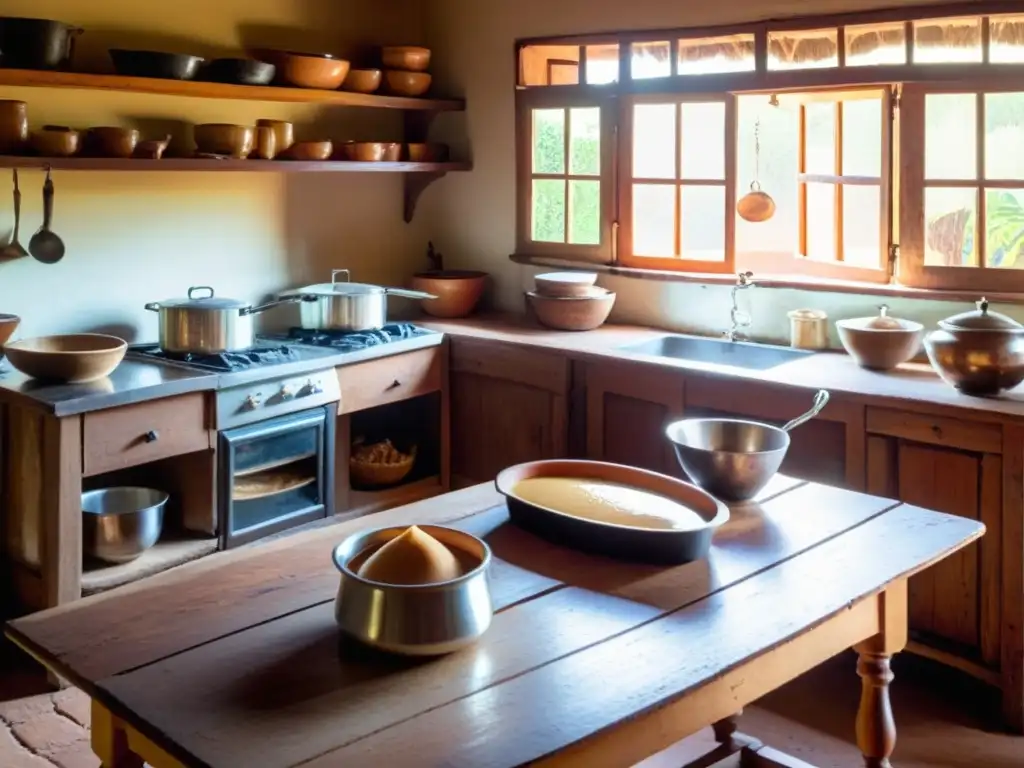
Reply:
x=227, y=361
x=350, y=341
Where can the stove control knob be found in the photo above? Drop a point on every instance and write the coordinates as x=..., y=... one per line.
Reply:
x=287, y=392
x=252, y=402
x=310, y=388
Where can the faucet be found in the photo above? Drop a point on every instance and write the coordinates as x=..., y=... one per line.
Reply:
x=737, y=318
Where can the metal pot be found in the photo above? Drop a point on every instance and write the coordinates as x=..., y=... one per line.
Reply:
x=978, y=352
x=345, y=306
x=36, y=43
x=119, y=524
x=208, y=324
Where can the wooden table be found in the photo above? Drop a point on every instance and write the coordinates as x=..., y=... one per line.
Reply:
x=236, y=661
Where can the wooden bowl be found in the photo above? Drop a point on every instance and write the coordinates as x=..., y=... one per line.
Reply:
x=362, y=80
x=224, y=139
x=427, y=153
x=371, y=151
x=565, y=283
x=458, y=291
x=409, y=58
x=406, y=83
x=571, y=313
x=112, y=141
x=55, y=141
x=8, y=325
x=73, y=358
x=308, y=70
x=880, y=347
x=309, y=151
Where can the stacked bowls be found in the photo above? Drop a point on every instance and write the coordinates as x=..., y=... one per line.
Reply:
x=405, y=70
x=569, y=301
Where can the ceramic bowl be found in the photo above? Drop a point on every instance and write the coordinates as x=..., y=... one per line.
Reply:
x=309, y=151
x=113, y=141
x=406, y=83
x=362, y=80
x=878, y=346
x=565, y=283
x=457, y=291
x=409, y=58
x=308, y=70
x=572, y=313
x=427, y=153
x=72, y=358
x=55, y=141
x=224, y=139
x=371, y=151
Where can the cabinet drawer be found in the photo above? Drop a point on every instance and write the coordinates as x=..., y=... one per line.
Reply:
x=138, y=434
x=522, y=365
x=936, y=430
x=390, y=379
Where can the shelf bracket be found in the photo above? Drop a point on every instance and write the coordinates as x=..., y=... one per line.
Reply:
x=414, y=184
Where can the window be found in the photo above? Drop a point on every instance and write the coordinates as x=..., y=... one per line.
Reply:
x=875, y=134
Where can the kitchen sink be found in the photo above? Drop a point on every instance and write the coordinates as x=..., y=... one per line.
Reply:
x=733, y=354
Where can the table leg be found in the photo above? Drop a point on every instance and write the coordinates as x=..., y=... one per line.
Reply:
x=876, y=728
x=724, y=729
x=110, y=741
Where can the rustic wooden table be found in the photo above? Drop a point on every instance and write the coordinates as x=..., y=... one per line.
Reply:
x=236, y=661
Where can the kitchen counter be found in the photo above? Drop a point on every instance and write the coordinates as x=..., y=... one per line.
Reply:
x=912, y=386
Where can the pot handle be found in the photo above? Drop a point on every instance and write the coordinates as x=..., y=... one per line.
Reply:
x=291, y=299
x=406, y=294
x=153, y=306
x=336, y=272
x=195, y=288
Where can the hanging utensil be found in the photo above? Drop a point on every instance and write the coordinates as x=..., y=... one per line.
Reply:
x=14, y=249
x=820, y=401
x=45, y=245
x=756, y=206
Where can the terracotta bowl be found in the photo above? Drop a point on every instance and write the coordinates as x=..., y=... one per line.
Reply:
x=8, y=325
x=427, y=153
x=458, y=291
x=880, y=348
x=371, y=151
x=72, y=358
x=406, y=57
x=571, y=313
x=565, y=283
x=224, y=139
x=309, y=151
x=362, y=80
x=406, y=83
x=308, y=70
x=112, y=141
x=55, y=141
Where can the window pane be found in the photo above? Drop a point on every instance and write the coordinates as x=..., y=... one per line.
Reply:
x=868, y=44
x=702, y=144
x=821, y=221
x=1004, y=228
x=862, y=225
x=654, y=141
x=702, y=223
x=711, y=55
x=950, y=221
x=820, y=119
x=585, y=212
x=549, y=141
x=803, y=49
x=654, y=219
x=602, y=63
x=1004, y=135
x=549, y=210
x=585, y=141
x=947, y=41
x=862, y=137
x=1006, y=39
x=549, y=64
x=650, y=60
x=950, y=136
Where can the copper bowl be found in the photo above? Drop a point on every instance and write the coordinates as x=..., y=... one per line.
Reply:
x=407, y=83
x=74, y=358
x=409, y=58
x=309, y=151
x=362, y=80
x=112, y=141
x=224, y=139
x=427, y=153
x=307, y=70
x=371, y=151
x=458, y=291
x=55, y=141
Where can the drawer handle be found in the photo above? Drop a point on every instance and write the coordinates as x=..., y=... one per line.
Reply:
x=152, y=436
x=395, y=384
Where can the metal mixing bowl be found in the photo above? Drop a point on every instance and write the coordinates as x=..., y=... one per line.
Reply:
x=729, y=458
x=119, y=524
x=420, y=619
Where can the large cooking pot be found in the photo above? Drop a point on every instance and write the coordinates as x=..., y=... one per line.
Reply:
x=208, y=324
x=345, y=306
x=36, y=43
x=978, y=352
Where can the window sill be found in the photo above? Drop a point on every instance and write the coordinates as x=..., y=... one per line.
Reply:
x=797, y=282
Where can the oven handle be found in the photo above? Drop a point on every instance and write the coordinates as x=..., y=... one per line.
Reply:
x=290, y=423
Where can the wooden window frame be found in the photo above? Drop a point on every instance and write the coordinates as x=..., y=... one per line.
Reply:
x=912, y=270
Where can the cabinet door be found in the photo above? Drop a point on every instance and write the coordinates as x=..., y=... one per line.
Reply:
x=628, y=407
x=508, y=405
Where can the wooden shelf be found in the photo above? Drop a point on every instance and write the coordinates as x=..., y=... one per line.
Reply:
x=368, y=502
x=38, y=79
x=165, y=554
x=205, y=164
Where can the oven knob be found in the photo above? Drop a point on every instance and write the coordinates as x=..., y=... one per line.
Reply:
x=310, y=388
x=252, y=402
x=286, y=393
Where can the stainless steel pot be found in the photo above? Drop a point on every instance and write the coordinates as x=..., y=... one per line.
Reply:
x=345, y=306
x=208, y=324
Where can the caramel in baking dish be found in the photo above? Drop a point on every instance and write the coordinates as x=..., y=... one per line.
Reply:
x=606, y=502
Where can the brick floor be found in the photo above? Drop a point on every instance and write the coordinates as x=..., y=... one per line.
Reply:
x=46, y=731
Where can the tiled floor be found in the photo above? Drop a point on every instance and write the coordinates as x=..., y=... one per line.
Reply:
x=944, y=721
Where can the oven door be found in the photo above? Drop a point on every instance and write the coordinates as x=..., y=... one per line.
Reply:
x=274, y=475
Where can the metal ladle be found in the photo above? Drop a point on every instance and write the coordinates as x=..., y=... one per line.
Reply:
x=14, y=249
x=820, y=401
x=45, y=245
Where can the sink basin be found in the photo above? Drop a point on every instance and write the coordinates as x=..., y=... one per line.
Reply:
x=732, y=354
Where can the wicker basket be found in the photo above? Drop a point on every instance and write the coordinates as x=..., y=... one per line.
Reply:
x=371, y=474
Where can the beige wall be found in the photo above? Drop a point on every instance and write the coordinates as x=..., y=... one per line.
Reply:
x=474, y=213
x=136, y=237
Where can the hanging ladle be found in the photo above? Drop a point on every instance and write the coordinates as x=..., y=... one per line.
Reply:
x=14, y=249
x=756, y=206
x=45, y=245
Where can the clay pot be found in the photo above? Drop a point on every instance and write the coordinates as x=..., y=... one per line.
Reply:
x=458, y=291
x=112, y=141
x=284, y=133
x=55, y=141
x=13, y=127
x=225, y=139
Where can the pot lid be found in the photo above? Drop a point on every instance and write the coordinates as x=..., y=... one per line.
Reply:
x=209, y=301
x=343, y=289
x=981, y=319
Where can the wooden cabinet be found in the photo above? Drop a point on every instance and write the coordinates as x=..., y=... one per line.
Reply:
x=390, y=379
x=509, y=404
x=628, y=407
x=827, y=449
